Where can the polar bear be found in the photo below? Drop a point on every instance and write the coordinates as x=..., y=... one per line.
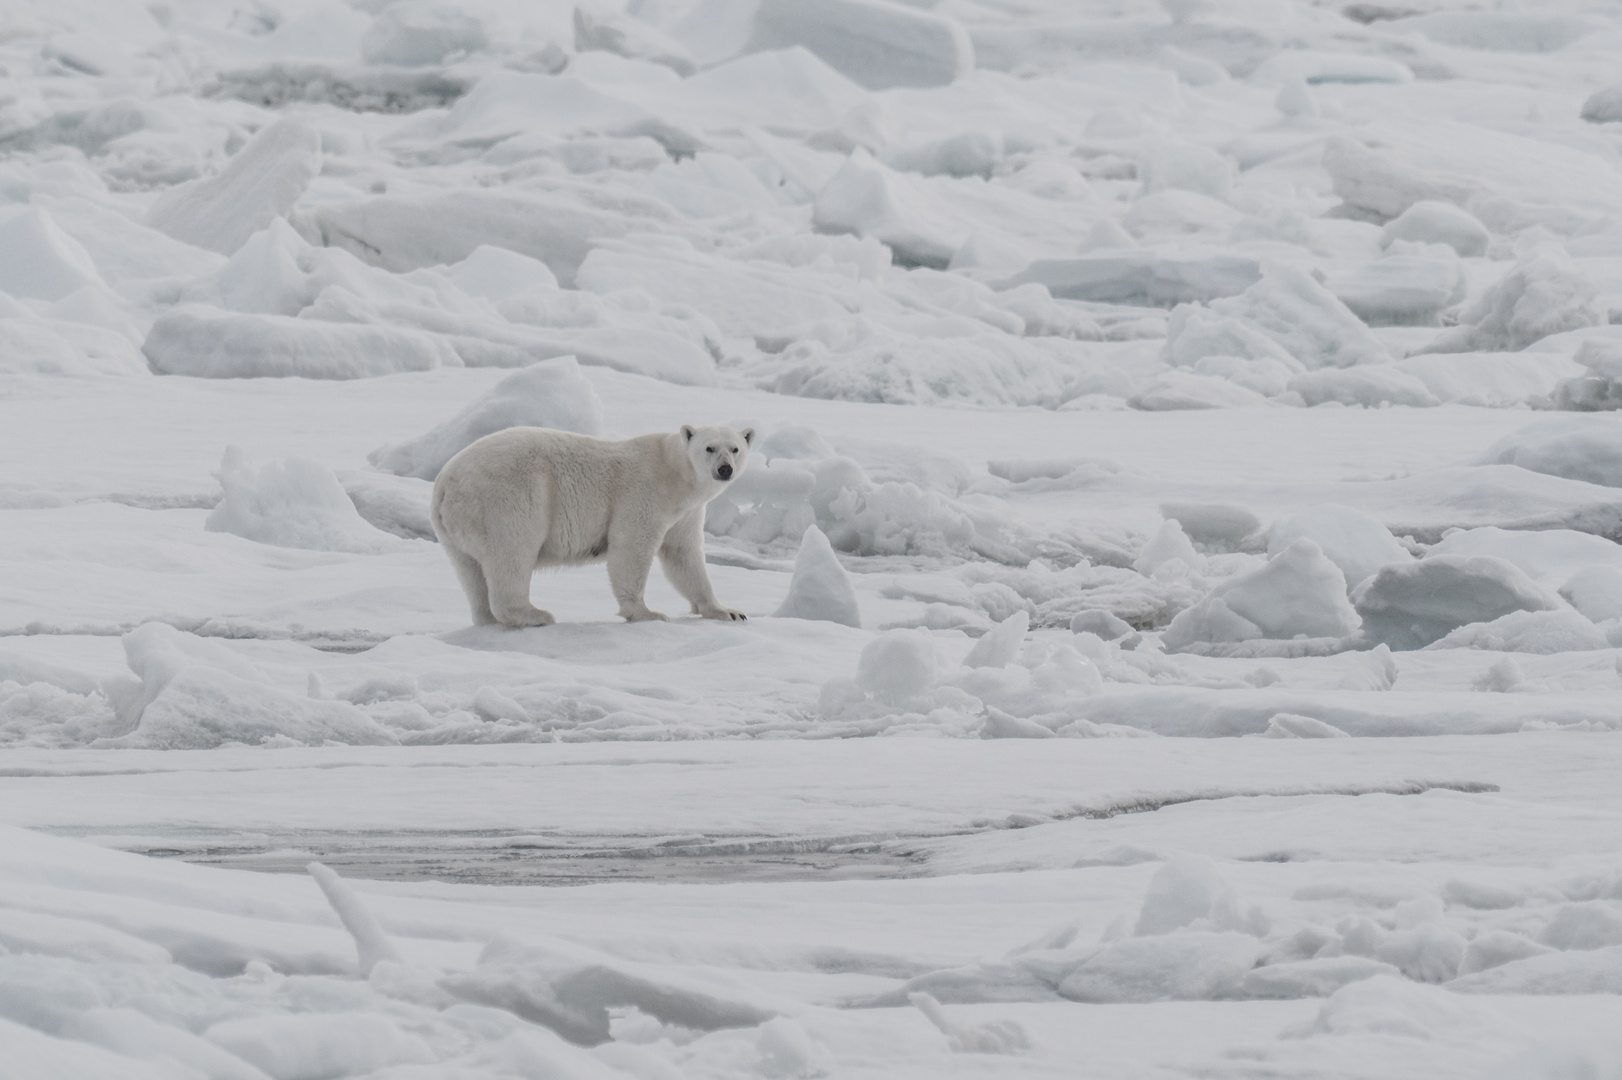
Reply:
x=527, y=498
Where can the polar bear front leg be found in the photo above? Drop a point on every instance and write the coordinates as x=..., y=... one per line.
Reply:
x=631, y=547
x=682, y=556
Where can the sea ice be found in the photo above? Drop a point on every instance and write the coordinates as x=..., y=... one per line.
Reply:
x=1349, y=538
x=548, y=394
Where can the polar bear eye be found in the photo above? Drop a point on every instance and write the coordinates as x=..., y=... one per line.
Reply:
x=734, y=449
x=709, y=449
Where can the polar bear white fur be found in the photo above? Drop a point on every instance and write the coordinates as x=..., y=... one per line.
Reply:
x=527, y=498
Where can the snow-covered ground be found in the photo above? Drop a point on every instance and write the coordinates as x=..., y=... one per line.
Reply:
x=1181, y=546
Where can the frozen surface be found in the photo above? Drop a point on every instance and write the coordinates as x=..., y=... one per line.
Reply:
x=1185, y=609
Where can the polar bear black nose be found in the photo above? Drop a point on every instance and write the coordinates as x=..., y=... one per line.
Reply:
x=724, y=472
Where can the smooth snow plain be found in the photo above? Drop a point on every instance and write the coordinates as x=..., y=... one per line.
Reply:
x=1181, y=549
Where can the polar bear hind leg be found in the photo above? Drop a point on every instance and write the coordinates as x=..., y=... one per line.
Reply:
x=471, y=575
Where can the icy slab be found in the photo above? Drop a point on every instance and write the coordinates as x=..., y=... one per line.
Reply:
x=401, y=233
x=295, y=503
x=1576, y=448
x=1142, y=277
x=1299, y=592
x=1408, y=606
x=42, y=262
x=508, y=104
x=549, y=394
x=498, y=273
x=417, y=33
x=877, y=43
x=262, y=182
x=1544, y=293
x=868, y=199
x=820, y=588
x=630, y=37
x=1502, y=31
x=212, y=344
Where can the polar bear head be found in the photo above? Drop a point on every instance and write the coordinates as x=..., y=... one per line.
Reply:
x=719, y=453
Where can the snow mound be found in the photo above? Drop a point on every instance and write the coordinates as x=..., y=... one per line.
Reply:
x=41, y=261
x=397, y=505
x=1190, y=390
x=1291, y=310
x=320, y=1044
x=261, y=183
x=1380, y=184
x=1410, y=605
x=1601, y=389
x=196, y=694
x=1193, y=966
x=1576, y=448
x=898, y=665
x=955, y=360
x=876, y=43
x=1589, y=971
x=294, y=503
x=1544, y=293
x=1430, y=222
x=30, y=345
x=1368, y=387
x=1542, y=632
x=570, y=989
x=1295, y=726
x=1603, y=106
x=549, y=394
x=1549, y=556
x=776, y=500
x=1352, y=540
x=212, y=344
x=1298, y=592
x=1183, y=890
x=819, y=588
x=1596, y=592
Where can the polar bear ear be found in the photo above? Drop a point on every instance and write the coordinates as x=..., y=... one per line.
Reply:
x=687, y=432
x=748, y=434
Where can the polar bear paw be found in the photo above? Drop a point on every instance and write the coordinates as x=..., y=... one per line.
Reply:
x=518, y=618
x=724, y=614
x=645, y=615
